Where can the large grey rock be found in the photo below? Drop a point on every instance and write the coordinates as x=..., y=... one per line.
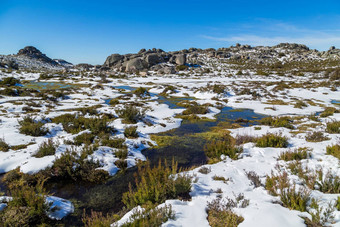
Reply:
x=32, y=52
x=181, y=59
x=153, y=59
x=135, y=64
x=113, y=60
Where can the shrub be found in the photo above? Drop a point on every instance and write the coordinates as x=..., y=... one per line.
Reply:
x=181, y=67
x=46, y=148
x=272, y=140
x=330, y=183
x=29, y=126
x=155, y=185
x=220, y=178
x=131, y=132
x=204, y=170
x=195, y=109
x=316, y=136
x=9, y=81
x=333, y=127
x=3, y=145
x=329, y=111
x=114, y=143
x=221, y=214
x=121, y=153
x=97, y=219
x=141, y=92
x=334, y=150
x=121, y=164
x=299, y=104
x=254, y=178
x=150, y=217
x=298, y=154
x=86, y=138
x=71, y=166
x=226, y=145
x=296, y=200
x=28, y=206
x=73, y=124
x=114, y=102
x=130, y=114
x=277, y=122
x=241, y=139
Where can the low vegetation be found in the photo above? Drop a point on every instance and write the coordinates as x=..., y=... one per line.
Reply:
x=3, y=145
x=333, y=127
x=297, y=154
x=46, y=148
x=316, y=136
x=130, y=114
x=224, y=145
x=334, y=150
x=285, y=122
x=272, y=140
x=155, y=185
x=30, y=126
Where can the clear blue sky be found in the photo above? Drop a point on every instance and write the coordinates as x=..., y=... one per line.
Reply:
x=89, y=31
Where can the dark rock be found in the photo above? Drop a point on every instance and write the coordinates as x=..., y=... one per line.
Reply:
x=113, y=60
x=153, y=59
x=135, y=64
x=33, y=52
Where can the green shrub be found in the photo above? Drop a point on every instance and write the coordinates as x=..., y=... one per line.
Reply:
x=9, y=81
x=114, y=102
x=130, y=114
x=330, y=183
x=226, y=145
x=114, y=143
x=221, y=214
x=9, y=92
x=29, y=126
x=316, y=136
x=86, y=138
x=28, y=206
x=71, y=166
x=296, y=200
x=97, y=219
x=3, y=145
x=181, y=67
x=334, y=150
x=298, y=154
x=329, y=111
x=204, y=170
x=141, y=92
x=46, y=148
x=299, y=104
x=73, y=124
x=150, y=217
x=121, y=153
x=155, y=185
x=285, y=122
x=131, y=132
x=272, y=140
x=121, y=164
x=333, y=127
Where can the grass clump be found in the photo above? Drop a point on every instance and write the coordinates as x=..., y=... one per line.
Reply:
x=272, y=140
x=155, y=185
x=297, y=154
x=333, y=127
x=84, y=138
x=254, y=178
x=97, y=219
x=46, y=148
x=195, y=108
x=316, y=136
x=204, y=170
x=29, y=126
x=224, y=145
x=3, y=145
x=300, y=104
x=131, y=132
x=114, y=102
x=329, y=111
x=285, y=122
x=141, y=92
x=334, y=150
x=130, y=114
x=221, y=214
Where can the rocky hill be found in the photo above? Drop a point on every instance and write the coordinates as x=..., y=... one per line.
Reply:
x=32, y=58
x=167, y=62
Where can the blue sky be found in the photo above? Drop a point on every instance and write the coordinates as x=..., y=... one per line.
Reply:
x=89, y=31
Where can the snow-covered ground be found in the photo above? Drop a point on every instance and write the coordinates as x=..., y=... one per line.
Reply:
x=262, y=209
